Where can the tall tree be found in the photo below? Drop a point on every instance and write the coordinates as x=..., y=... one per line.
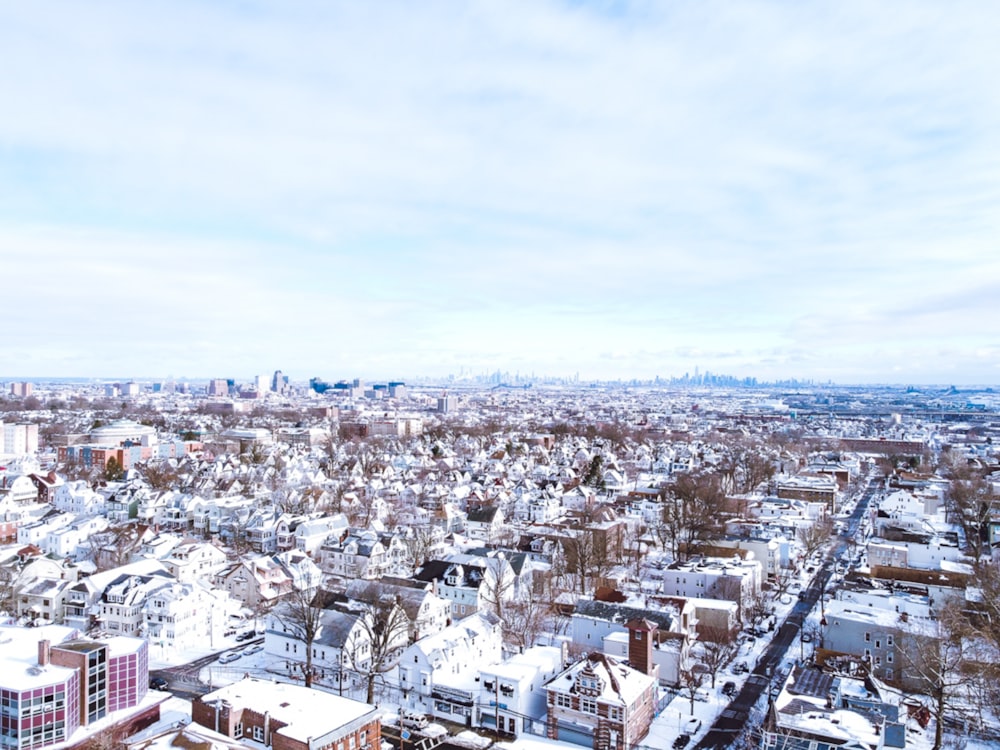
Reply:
x=386, y=631
x=300, y=613
x=972, y=504
x=718, y=647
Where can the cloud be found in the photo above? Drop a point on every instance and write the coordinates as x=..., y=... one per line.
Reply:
x=503, y=180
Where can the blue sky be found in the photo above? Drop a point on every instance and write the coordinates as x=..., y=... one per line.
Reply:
x=618, y=189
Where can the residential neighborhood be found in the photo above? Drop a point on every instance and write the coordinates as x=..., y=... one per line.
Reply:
x=613, y=568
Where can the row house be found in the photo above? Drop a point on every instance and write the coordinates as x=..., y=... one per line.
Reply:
x=35, y=531
x=77, y=497
x=267, y=530
x=72, y=540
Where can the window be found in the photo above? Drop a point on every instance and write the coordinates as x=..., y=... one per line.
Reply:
x=258, y=734
x=564, y=701
x=888, y=674
x=588, y=705
x=614, y=713
x=888, y=640
x=638, y=635
x=888, y=658
x=868, y=637
x=878, y=644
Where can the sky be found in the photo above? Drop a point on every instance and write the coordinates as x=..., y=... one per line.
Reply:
x=397, y=189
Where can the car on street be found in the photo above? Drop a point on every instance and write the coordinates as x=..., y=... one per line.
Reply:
x=245, y=636
x=230, y=657
x=682, y=741
x=157, y=683
x=251, y=650
x=729, y=689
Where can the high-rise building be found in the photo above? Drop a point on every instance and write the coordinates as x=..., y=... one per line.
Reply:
x=218, y=387
x=277, y=382
x=21, y=389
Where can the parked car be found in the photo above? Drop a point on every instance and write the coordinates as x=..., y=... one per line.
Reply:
x=806, y=637
x=729, y=689
x=412, y=719
x=740, y=667
x=230, y=657
x=245, y=636
x=692, y=725
x=157, y=683
x=251, y=650
x=682, y=741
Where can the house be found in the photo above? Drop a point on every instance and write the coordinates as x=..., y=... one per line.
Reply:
x=485, y=524
x=735, y=579
x=600, y=703
x=512, y=693
x=310, y=534
x=191, y=560
x=121, y=608
x=438, y=673
x=357, y=555
x=288, y=717
x=341, y=648
x=426, y=612
x=821, y=709
x=257, y=583
x=82, y=601
x=603, y=626
x=182, y=616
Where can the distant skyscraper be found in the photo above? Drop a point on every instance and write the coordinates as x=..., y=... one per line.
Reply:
x=278, y=382
x=218, y=387
x=21, y=389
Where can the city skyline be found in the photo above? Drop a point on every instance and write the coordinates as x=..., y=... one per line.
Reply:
x=619, y=190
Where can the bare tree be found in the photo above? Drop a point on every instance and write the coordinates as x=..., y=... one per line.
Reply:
x=936, y=664
x=815, y=537
x=718, y=647
x=115, y=546
x=300, y=613
x=386, y=630
x=691, y=679
x=691, y=512
x=972, y=504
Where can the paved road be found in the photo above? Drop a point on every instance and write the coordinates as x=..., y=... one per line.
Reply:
x=183, y=680
x=732, y=721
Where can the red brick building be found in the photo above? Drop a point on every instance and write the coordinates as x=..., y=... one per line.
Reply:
x=289, y=717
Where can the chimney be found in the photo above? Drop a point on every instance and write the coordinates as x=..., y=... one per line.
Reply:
x=640, y=645
x=43, y=653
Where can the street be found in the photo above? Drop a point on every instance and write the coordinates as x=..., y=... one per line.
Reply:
x=736, y=716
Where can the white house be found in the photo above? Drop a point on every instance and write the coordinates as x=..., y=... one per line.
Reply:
x=512, y=693
x=437, y=674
